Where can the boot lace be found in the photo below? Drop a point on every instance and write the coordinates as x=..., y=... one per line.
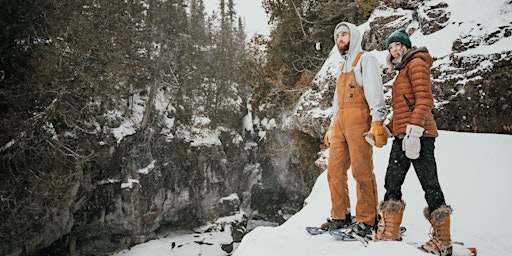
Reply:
x=435, y=245
x=387, y=228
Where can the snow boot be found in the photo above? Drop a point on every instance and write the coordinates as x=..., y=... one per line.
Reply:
x=389, y=220
x=440, y=242
x=335, y=224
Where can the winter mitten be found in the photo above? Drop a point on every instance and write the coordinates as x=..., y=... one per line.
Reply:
x=411, y=143
x=328, y=136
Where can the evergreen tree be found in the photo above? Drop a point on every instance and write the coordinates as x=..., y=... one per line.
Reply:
x=293, y=58
x=73, y=62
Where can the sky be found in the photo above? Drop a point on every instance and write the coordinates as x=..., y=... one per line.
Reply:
x=251, y=12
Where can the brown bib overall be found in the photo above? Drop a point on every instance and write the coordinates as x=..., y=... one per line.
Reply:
x=350, y=149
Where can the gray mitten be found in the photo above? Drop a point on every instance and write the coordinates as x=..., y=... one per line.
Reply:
x=411, y=143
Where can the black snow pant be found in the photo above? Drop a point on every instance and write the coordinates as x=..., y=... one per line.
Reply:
x=426, y=170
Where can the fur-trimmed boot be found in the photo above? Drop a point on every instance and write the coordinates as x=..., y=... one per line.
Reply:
x=389, y=220
x=440, y=242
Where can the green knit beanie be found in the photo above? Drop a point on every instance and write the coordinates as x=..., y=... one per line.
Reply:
x=399, y=36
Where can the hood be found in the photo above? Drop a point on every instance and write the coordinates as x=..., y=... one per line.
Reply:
x=416, y=52
x=355, y=41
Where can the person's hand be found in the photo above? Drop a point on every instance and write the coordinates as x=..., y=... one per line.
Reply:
x=328, y=136
x=411, y=143
x=379, y=134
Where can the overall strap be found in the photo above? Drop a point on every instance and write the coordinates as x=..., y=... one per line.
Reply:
x=355, y=60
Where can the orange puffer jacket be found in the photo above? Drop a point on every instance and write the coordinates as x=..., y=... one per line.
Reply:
x=412, y=89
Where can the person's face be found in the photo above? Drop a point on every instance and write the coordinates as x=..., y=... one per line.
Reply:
x=394, y=49
x=343, y=41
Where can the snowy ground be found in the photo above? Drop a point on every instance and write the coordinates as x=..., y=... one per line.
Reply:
x=475, y=171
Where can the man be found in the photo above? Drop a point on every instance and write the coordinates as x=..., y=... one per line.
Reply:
x=358, y=110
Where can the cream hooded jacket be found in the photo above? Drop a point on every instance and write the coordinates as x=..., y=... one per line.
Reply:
x=367, y=74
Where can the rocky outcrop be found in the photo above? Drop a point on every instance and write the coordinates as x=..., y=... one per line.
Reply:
x=482, y=102
x=136, y=190
x=433, y=18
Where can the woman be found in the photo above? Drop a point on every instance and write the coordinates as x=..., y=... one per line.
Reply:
x=414, y=131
